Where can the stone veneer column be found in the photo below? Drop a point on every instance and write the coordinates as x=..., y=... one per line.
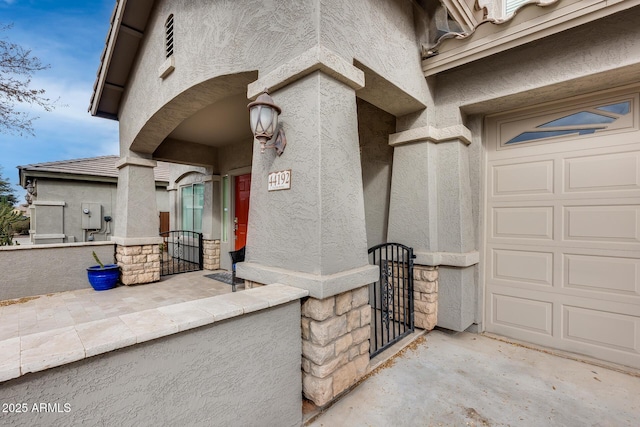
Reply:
x=136, y=222
x=211, y=254
x=425, y=296
x=335, y=343
x=138, y=264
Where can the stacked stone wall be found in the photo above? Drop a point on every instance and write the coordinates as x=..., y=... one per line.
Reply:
x=335, y=343
x=398, y=281
x=138, y=264
x=425, y=296
x=211, y=254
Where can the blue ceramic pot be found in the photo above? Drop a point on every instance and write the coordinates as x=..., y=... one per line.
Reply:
x=105, y=278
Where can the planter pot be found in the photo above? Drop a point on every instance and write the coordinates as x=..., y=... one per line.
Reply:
x=105, y=278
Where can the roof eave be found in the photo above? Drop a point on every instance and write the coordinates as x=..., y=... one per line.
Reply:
x=105, y=60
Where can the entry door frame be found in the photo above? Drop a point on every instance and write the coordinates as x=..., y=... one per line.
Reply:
x=229, y=245
x=236, y=225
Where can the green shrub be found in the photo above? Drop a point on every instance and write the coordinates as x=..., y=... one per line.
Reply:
x=22, y=226
x=7, y=220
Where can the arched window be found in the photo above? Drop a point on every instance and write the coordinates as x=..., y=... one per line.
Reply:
x=168, y=35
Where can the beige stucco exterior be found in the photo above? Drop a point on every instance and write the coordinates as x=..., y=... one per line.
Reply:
x=384, y=143
x=57, y=208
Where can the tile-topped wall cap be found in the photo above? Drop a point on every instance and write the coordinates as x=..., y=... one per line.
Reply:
x=43, y=350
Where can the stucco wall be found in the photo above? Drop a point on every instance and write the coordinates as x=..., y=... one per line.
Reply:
x=42, y=269
x=74, y=194
x=588, y=58
x=180, y=172
x=381, y=34
x=235, y=156
x=243, y=371
x=317, y=226
x=376, y=156
x=218, y=39
x=592, y=57
x=212, y=39
x=162, y=199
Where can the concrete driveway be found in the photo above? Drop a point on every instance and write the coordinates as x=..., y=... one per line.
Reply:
x=464, y=379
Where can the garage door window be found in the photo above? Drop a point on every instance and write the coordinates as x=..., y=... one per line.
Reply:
x=582, y=122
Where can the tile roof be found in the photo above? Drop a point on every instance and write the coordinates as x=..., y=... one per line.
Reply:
x=104, y=166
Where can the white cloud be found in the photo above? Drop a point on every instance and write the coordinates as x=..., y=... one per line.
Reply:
x=71, y=97
x=69, y=131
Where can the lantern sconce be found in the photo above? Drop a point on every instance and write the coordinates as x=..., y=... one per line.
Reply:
x=31, y=187
x=263, y=116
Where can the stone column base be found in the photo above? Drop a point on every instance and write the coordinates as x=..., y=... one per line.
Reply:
x=138, y=264
x=211, y=254
x=335, y=343
x=425, y=296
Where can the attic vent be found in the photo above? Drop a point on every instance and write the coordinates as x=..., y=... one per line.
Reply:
x=168, y=30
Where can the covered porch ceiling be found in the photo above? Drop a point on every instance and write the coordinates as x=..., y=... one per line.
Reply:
x=221, y=123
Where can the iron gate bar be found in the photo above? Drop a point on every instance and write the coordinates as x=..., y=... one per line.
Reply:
x=182, y=252
x=372, y=302
x=391, y=297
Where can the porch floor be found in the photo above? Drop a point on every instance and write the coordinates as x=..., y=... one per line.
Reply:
x=32, y=315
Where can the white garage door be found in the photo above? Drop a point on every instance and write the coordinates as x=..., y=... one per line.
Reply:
x=562, y=235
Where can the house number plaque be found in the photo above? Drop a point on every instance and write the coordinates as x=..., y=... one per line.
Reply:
x=280, y=180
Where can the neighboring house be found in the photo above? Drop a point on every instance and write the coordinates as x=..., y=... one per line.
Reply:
x=22, y=209
x=75, y=200
x=503, y=148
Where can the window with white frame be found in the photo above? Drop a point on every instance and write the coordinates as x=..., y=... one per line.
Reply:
x=192, y=197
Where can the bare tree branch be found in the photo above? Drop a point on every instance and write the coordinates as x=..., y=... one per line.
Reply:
x=17, y=66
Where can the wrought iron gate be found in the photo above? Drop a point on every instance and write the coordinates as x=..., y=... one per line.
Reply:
x=180, y=252
x=391, y=297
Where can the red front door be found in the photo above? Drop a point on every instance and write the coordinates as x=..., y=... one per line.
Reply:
x=243, y=187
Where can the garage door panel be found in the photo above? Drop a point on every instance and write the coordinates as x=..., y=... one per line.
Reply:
x=601, y=328
x=611, y=172
x=523, y=313
x=531, y=222
x=523, y=179
x=523, y=266
x=617, y=275
x=611, y=224
x=561, y=258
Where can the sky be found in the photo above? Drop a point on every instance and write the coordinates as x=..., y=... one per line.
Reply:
x=68, y=35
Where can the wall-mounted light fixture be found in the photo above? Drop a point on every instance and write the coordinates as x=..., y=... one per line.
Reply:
x=31, y=187
x=263, y=115
x=31, y=191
